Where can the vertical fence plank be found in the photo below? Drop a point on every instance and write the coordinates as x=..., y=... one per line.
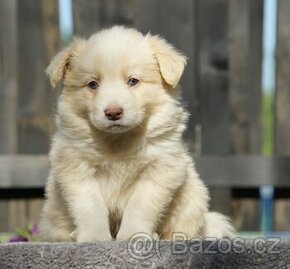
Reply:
x=4, y=220
x=174, y=20
x=34, y=207
x=92, y=16
x=246, y=25
x=17, y=214
x=213, y=76
x=8, y=76
x=8, y=89
x=282, y=115
x=50, y=29
x=213, y=88
x=245, y=53
x=38, y=40
x=282, y=109
x=28, y=112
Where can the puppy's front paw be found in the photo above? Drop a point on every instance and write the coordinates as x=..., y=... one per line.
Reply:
x=130, y=234
x=92, y=237
x=73, y=235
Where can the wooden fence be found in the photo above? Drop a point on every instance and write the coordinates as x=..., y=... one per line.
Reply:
x=221, y=88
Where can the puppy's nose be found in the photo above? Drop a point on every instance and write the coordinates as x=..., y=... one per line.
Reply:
x=113, y=113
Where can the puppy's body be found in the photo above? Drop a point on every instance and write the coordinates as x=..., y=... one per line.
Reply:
x=115, y=178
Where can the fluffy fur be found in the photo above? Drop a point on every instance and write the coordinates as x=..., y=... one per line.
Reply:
x=113, y=179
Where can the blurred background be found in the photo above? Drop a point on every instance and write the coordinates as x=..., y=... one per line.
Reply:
x=236, y=87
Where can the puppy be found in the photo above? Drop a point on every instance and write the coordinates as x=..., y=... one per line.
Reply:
x=118, y=164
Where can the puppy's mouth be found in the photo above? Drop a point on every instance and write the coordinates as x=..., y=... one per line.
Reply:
x=116, y=125
x=117, y=128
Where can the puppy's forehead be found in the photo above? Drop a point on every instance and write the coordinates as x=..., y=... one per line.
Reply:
x=117, y=36
x=116, y=48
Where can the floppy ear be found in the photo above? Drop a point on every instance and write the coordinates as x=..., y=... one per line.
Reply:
x=60, y=63
x=171, y=61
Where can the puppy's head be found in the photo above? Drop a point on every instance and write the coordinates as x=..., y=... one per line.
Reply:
x=115, y=77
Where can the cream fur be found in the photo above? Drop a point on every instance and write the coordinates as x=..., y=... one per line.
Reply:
x=111, y=181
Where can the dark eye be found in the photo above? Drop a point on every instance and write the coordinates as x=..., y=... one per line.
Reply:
x=93, y=85
x=133, y=81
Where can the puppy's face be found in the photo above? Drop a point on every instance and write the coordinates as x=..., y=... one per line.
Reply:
x=113, y=78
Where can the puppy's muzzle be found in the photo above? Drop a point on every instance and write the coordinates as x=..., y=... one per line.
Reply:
x=113, y=113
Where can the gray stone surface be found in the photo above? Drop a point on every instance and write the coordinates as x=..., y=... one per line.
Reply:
x=187, y=254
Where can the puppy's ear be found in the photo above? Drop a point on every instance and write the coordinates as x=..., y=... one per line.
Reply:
x=60, y=63
x=171, y=62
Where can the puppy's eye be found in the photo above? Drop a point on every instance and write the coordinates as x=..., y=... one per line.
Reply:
x=93, y=85
x=133, y=81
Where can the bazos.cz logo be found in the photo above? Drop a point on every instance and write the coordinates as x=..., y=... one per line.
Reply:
x=142, y=246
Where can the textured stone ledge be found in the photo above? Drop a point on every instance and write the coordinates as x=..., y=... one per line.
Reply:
x=221, y=254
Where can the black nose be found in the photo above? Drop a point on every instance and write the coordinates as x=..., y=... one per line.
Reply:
x=114, y=113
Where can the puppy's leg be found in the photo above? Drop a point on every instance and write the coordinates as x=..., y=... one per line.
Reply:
x=77, y=186
x=152, y=193
x=88, y=210
x=189, y=216
x=185, y=217
x=55, y=224
x=54, y=227
x=217, y=226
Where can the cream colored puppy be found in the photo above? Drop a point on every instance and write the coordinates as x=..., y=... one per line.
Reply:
x=118, y=164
